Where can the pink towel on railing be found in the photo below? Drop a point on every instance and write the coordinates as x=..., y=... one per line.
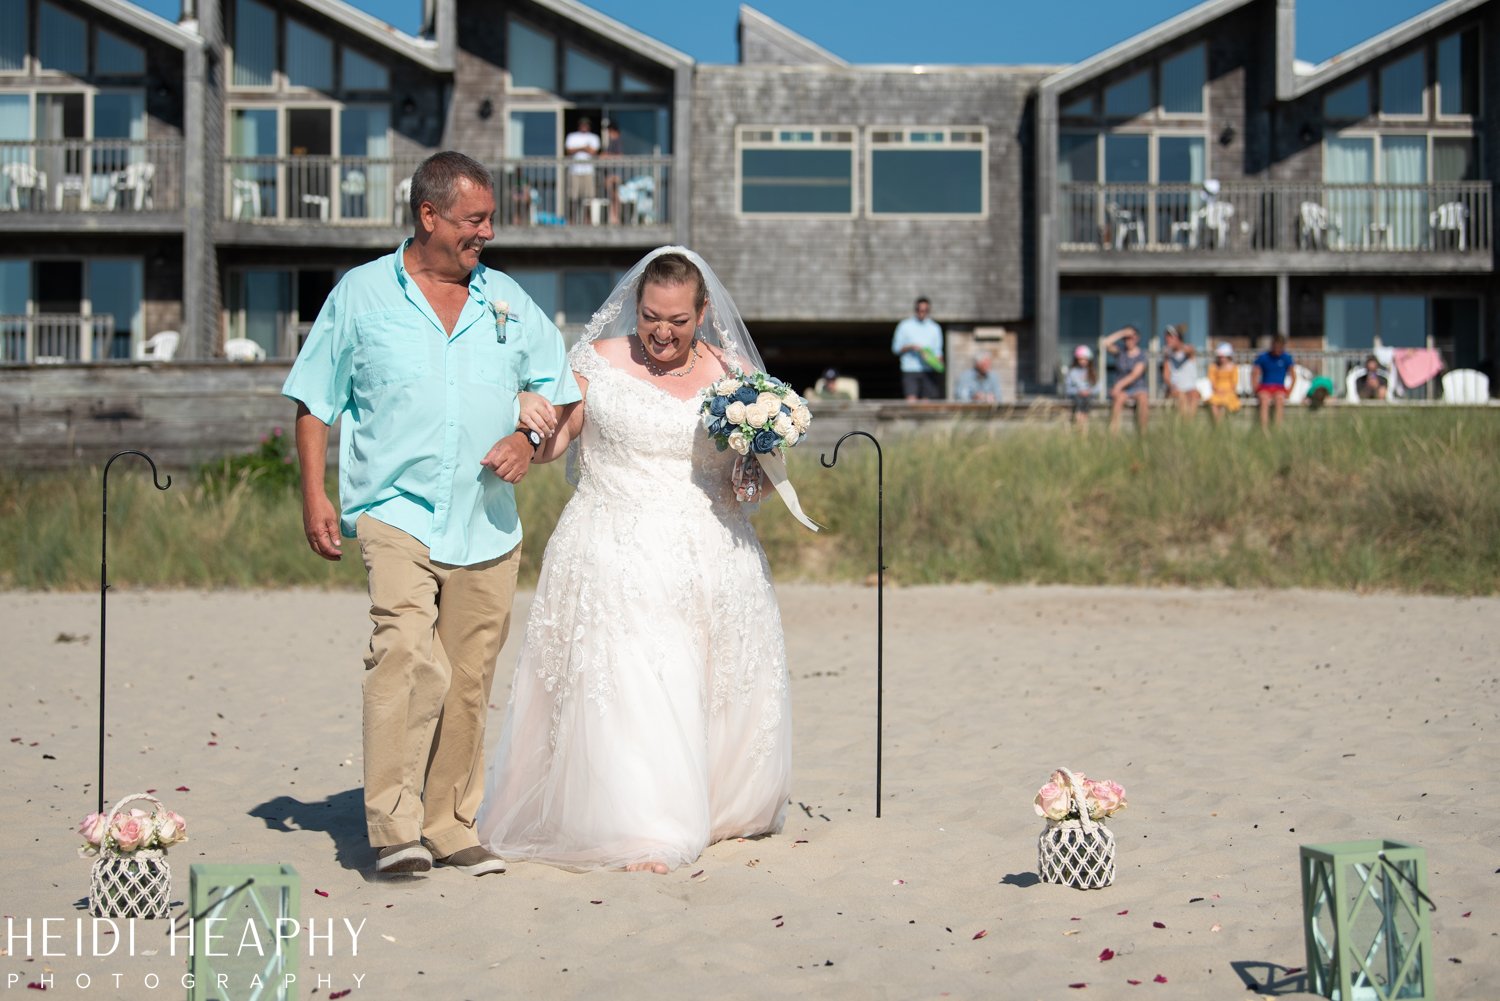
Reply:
x=1417, y=366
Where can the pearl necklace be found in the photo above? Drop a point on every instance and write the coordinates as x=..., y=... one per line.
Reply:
x=658, y=371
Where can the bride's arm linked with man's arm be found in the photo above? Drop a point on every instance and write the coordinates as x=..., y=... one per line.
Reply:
x=566, y=426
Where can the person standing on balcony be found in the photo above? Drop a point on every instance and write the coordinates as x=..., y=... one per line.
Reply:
x=1272, y=379
x=422, y=354
x=612, y=148
x=1131, y=384
x=918, y=342
x=581, y=146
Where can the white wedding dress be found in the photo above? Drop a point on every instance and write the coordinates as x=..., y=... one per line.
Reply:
x=649, y=716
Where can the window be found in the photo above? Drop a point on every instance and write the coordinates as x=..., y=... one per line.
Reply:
x=254, y=44
x=531, y=57
x=531, y=133
x=1084, y=318
x=1454, y=159
x=1083, y=107
x=1182, y=80
x=1401, y=86
x=1352, y=322
x=796, y=171
x=1458, y=74
x=94, y=287
x=309, y=57
x=1350, y=102
x=927, y=172
x=583, y=74
x=566, y=296
x=14, y=14
x=62, y=40
x=360, y=73
x=1127, y=158
x=113, y=56
x=632, y=84
x=1129, y=97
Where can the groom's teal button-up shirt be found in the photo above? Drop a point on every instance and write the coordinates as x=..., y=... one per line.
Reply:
x=421, y=409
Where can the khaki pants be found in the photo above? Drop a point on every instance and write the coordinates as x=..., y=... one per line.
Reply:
x=438, y=631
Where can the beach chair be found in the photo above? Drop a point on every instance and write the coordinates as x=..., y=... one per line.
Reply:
x=159, y=346
x=1464, y=385
x=243, y=349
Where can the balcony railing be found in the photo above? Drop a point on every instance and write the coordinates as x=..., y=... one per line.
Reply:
x=42, y=338
x=369, y=191
x=1250, y=217
x=90, y=175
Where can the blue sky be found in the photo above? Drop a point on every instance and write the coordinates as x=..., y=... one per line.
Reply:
x=947, y=31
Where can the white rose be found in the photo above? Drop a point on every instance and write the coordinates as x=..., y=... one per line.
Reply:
x=502, y=307
x=757, y=415
x=726, y=387
x=782, y=425
x=801, y=418
x=735, y=413
x=770, y=401
x=739, y=442
x=791, y=437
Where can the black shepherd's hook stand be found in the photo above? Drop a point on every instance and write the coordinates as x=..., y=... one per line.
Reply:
x=879, y=591
x=104, y=587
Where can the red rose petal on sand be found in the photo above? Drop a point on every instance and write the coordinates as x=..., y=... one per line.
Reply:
x=596, y=901
x=981, y=933
x=1157, y=924
x=1293, y=969
x=213, y=743
x=1133, y=983
x=321, y=893
x=1078, y=986
x=1467, y=913
x=185, y=789
x=340, y=994
x=1159, y=979
x=34, y=986
x=1122, y=913
x=1106, y=955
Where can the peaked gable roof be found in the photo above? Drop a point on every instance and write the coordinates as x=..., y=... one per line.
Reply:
x=147, y=23
x=798, y=49
x=1387, y=41
x=638, y=42
x=423, y=51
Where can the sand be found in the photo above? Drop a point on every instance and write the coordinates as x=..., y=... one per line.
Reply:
x=1242, y=725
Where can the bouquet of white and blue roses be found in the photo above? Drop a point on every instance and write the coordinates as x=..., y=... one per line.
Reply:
x=754, y=414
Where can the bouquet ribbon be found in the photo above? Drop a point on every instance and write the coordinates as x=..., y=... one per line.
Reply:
x=773, y=464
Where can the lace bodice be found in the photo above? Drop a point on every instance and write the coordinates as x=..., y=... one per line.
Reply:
x=641, y=442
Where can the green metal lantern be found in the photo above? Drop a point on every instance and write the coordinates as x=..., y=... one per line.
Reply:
x=245, y=936
x=1365, y=917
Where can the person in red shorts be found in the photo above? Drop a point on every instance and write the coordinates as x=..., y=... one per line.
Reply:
x=1273, y=378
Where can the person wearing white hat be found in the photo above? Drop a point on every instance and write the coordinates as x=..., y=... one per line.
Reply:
x=1224, y=377
x=1078, y=386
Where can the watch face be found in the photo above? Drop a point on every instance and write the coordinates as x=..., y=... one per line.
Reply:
x=534, y=438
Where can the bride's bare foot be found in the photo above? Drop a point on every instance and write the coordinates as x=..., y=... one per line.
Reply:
x=660, y=868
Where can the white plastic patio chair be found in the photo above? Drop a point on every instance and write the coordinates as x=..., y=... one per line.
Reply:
x=160, y=346
x=1464, y=385
x=243, y=349
x=1450, y=218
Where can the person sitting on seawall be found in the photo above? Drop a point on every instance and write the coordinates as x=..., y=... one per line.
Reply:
x=1130, y=384
x=832, y=386
x=1079, y=384
x=1224, y=377
x=1179, y=370
x=978, y=384
x=1273, y=378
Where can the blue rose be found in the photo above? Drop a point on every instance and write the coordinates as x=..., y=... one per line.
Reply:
x=719, y=427
x=746, y=395
x=718, y=405
x=786, y=410
x=765, y=442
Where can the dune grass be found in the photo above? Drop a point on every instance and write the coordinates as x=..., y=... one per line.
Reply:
x=1405, y=501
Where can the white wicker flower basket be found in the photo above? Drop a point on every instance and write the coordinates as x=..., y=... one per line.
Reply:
x=130, y=884
x=1078, y=853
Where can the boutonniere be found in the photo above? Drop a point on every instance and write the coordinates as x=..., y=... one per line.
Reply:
x=501, y=309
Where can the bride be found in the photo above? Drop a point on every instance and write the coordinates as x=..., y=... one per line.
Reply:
x=649, y=716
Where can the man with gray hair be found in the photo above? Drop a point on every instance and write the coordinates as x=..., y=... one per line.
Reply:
x=978, y=384
x=423, y=354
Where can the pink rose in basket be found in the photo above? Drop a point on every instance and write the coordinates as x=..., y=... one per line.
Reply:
x=91, y=828
x=170, y=829
x=1054, y=801
x=129, y=832
x=1105, y=798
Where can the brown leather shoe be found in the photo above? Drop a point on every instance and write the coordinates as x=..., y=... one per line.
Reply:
x=475, y=861
x=403, y=858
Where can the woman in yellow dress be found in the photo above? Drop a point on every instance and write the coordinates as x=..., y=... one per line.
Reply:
x=1224, y=376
